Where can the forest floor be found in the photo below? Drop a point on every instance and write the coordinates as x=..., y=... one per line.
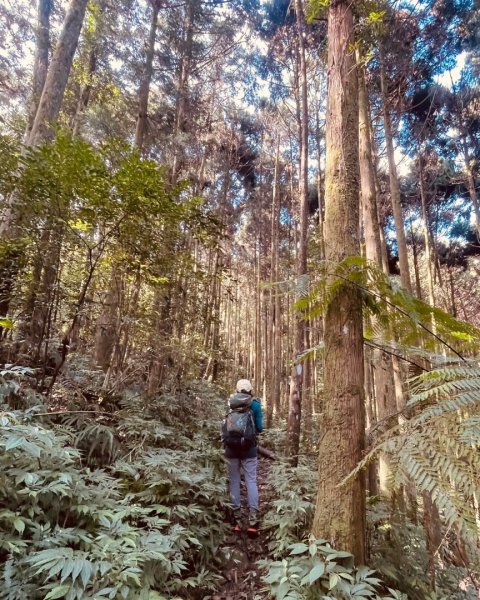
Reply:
x=242, y=574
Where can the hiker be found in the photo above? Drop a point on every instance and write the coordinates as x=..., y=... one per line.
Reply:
x=239, y=434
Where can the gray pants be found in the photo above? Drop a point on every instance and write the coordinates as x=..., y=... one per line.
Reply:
x=250, y=474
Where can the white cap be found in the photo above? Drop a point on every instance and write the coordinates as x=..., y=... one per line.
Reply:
x=244, y=385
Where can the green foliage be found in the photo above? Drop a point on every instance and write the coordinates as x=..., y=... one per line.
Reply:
x=146, y=526
x=309, y=569
x=436, y=445
x=316, y=9
x=291, y=513
x=399, y=554
x=314, y=570
x=392, y=313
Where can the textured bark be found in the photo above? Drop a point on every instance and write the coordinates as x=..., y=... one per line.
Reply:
x=394, y=185
x=58, y=73
x=340, y=515
x=273, y=398
x=367, y=175
x=144, y=90
x=46, y=290
x=297, y=376
x=182, y=85
x=107, y=321
x=382, y=363
x=40, y=66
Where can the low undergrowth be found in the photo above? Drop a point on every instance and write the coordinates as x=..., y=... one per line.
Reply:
x=301, y=567
x=124, y=505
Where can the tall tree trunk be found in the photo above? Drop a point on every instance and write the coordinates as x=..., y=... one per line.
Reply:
x=58, y=73
x=274, y=292
x=382, y=364
x=340, y=517
x=106, y=323
x=40, y=66
x=182, y=85
x=144, y=90
x=394, y=185
x=296, y=380
x=416, y=271
x=426, y=233
x=46, y=115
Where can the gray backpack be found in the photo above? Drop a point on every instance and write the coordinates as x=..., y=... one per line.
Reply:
x=238, y=431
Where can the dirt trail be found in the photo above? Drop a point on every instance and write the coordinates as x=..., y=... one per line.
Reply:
x=243, y=577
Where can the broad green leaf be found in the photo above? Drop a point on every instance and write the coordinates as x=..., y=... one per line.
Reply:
x=333, y=580
x=298, y=548
x=58, y=592
x=19, y=525
x=317, y=571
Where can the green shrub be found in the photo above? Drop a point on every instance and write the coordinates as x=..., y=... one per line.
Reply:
x=148, y=526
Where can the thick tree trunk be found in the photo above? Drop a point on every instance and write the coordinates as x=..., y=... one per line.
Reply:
x=394, y=185
x=297, y=377
x=144, y=90
x=40, y=66
x=58, y=73
x=340, y=515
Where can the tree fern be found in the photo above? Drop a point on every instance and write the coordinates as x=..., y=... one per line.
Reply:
x=388, y=307
x=437, y=444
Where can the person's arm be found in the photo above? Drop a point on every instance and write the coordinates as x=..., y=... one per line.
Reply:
x=257, y=415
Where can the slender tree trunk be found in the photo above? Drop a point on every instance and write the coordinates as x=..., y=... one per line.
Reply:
x=274, y=292
x=106, y=323
x=382, y=364
x=416, y=271
x=58, y=73
x=182, y=85
x=318, y=138
x=367, y=175
x=144, y=90
x=40, y=66
x=47, y=291
x=47, y=113
x=297, y=376
x=426, y=233
x=340, y=517
x=394, y=185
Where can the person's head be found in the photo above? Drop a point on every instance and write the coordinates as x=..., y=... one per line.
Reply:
x=244, y=386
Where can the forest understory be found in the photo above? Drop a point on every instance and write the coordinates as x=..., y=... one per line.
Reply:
x=200, y=191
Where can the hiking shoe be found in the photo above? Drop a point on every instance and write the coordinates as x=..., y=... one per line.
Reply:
x=236, y=528
x=252, y=531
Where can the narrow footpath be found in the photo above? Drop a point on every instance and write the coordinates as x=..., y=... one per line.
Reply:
x=242, y=575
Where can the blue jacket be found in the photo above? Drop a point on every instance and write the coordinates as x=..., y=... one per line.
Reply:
x=256, y=409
